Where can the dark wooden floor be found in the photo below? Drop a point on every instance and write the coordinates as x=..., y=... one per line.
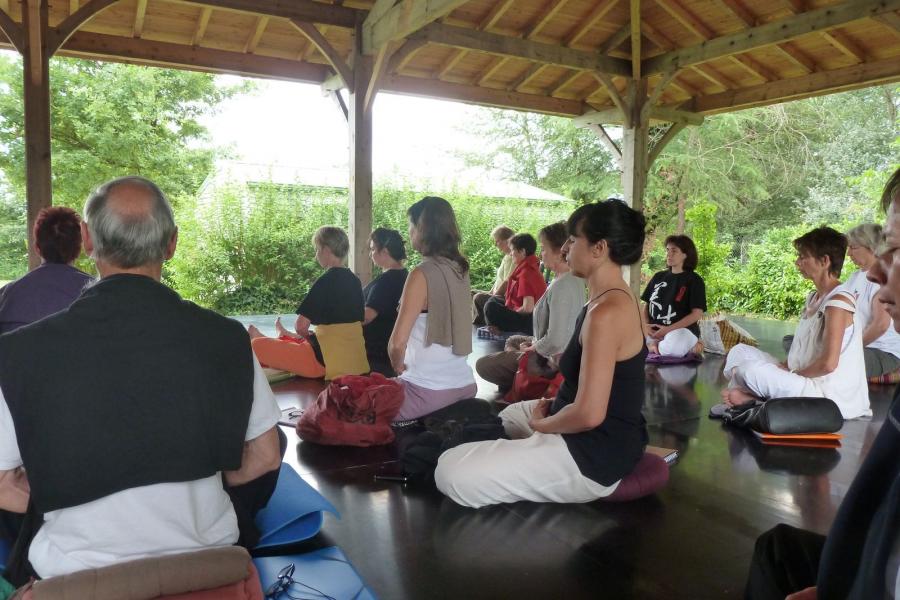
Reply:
x=692, y=540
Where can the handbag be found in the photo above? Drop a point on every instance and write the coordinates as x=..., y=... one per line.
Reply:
x=354, y=410
x=527, y=385
x=783, y=416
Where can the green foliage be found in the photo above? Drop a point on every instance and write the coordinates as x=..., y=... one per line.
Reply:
x=714, y=257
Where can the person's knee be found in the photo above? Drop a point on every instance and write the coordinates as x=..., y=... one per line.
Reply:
x=451, y=477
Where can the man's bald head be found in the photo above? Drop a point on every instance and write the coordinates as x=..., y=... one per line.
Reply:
x=130, y=223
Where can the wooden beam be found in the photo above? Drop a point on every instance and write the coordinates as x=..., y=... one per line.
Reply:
x=635, y=39
x=401, y=20
x=613, y=116
x=891, y=19
x=360, y=125
x=58, y=35
x=483, y=41
x=616, y=39
x=771, y=33
x=549, y=11
x=496, y=13
x=195, y=58
x=610, y=144
x=614, y=94
x=327, y=50
x=202, y=23
x=139, y=14
x=253, y=41
x=660, y=87
x=430, y=88
x=308, y=11
x=845, y=44
x=815, y=84
x=310, y=47
x=525, y=77
x=403, y=54
x=36, y=84
x=496, y=65
x=584, y=25
x=379, y=69
x=667, y=137
x=336, y=97
x=12, y=31
x=455, y=57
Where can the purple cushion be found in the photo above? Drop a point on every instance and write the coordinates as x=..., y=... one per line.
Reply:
x=658, y=359
x=649, y=476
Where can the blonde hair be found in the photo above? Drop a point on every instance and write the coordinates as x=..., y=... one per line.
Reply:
x=333, y=238
x=502, y=232
x=867, y=235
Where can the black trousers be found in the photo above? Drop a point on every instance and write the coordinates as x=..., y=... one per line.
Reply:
x=785, y=560
x=497, y=314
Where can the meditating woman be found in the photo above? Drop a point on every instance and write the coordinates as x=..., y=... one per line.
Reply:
x=674, y=301
x=334, y=305
x=382, y=296
x=881, y=343
x=524, y=288
x=553, y=318
x=577, y=447
x=433, y=334
x=56, y=283
x=826, y=357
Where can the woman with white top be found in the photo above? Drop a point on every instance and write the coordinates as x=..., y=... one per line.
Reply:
x=881, y=343
x=432, y=337
x=826, y=357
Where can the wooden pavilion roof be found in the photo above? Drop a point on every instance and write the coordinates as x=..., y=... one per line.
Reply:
x=552, y=56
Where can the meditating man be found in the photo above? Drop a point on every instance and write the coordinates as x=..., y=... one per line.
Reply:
x=500, y=236
x=119, y=415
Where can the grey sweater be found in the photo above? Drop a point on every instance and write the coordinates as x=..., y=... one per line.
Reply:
x=555, y=314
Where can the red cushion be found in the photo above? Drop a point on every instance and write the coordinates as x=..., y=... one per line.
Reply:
x=649, y=476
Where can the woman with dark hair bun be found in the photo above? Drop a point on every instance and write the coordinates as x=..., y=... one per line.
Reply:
x=382, y=295
x=432, y=337
x=578, y=446
x=674, y=300
x=56, y=283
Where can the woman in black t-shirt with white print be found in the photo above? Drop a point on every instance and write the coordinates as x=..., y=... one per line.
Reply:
x=674, y=301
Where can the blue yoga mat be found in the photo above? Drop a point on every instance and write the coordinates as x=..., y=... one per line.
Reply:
x=5, y=548
x=326, y=572
x=294, y=513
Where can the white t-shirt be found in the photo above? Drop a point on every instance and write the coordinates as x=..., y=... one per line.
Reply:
x=434, y=366
x=865, y=290
x=152, y=520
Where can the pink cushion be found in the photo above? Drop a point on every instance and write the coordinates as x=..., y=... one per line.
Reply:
x=248, y=589
x=649, y=476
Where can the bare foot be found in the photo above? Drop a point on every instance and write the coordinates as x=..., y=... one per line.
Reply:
x=254, y=332
x=737, y=396
x=698, y=348
x=281, y=330
x=653, y=348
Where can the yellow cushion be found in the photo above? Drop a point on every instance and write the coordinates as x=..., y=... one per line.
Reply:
x=343, y=349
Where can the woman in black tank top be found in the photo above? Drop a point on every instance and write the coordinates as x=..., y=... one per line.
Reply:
x=578, y=446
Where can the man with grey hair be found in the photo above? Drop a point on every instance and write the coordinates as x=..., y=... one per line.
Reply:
x=121, y=416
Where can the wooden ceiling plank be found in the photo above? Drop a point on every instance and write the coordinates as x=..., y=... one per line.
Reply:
x=404, y=54
x=565, y=81
x=814, y=84
x=253, y=40
x=635, y=22
x=62, y=32
x=688, y=20
x=549, y=11
x=890, y=19
x=73, y=6
x=525, y=77
x=709, y=73
x=308, y=11
x=616, y=39
x=450, y=63
x=772, y=33
x=202, y=23
x=798, y=57
x=496, y=65
x=741, y=12
x=4, y=6
x=162, y=54
x=139, y=14
x=753, y=67
x=593, y=86
x=596, y=15
x=847, y=45
x=317, y=38
x=497, y=11
x=492, y=43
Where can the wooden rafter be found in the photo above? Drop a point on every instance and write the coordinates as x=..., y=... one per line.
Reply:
x=890, y=19
x=140, y=14
x=403, y=55
x=253, y=40
x=659, y=88
x=616, y=39
x=202, y=23
x=709, y=73
x=614, y=94
x=310, y=47
x=12, y=31
x=549, y=11
x=401, y=19
x=772, y=33
x=496, y=13
x=847, y=45
x=62, y=32
x=635, y=11
x=814, y=84
x=566, y=80
x=307, y=11
x=584, y=25
x=753, y=67
x=379, y=71
x=611, y=116
x=496, y=64
x=454, y=59
x=525, y=77
x=798, y=57
x=492, y=43
x=328, y=51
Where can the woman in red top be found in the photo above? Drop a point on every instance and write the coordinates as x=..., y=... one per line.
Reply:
x=524, y=288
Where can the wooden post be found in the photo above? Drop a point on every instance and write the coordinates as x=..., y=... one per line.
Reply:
x=635, y=158
x=36, y=62
x=360, y=121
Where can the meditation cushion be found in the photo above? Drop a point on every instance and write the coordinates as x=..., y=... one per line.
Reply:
x=343, y=349
x=649, y=476
x=658, y=359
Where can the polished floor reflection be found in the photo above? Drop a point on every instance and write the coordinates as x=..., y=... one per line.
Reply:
x=692, y=540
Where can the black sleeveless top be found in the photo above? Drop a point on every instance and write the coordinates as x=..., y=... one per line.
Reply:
x=611, y=450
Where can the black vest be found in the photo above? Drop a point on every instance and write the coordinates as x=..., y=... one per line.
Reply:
x=129, y=386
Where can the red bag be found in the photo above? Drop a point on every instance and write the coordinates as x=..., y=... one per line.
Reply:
x=354, y=410
x=530, y=387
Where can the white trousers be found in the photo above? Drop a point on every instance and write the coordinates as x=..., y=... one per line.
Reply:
x=532, y=466
x=751, y=368
x=675, y=343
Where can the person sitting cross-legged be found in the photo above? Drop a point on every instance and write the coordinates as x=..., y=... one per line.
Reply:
x=524, y=288
x=146, y=427
x=578, y=446
x=500, y=235
x=382, y=296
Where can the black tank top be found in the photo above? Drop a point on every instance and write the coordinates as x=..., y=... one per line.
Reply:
x=611, y=450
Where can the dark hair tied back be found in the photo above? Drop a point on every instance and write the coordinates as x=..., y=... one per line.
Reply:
x=614, y=221
x=390, y=240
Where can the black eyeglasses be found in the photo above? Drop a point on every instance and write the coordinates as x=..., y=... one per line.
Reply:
x=280, y=588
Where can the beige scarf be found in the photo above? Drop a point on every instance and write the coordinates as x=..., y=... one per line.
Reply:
x=449, y=321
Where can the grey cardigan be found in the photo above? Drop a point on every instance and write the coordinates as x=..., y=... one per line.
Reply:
x=555, y=314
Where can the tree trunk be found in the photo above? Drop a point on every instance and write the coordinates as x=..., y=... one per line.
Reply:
x=679, y=229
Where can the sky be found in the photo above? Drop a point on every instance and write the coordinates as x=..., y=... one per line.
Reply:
x=294, y=124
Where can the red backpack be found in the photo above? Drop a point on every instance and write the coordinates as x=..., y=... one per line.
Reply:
x=354, y=410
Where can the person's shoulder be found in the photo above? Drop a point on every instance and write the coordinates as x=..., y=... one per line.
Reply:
x=212, y=318
x=609, y=310
x=695, y=276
